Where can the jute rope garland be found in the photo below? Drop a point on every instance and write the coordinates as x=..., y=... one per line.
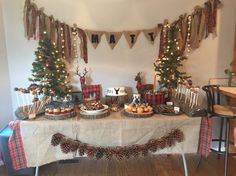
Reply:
x=69, y=145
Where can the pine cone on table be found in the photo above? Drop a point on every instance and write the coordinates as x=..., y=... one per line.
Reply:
x=56, y=139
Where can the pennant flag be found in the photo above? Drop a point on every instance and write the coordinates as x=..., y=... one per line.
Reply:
x=94, y=37
x=151, y=34
x=131, y=37
x=113, y=38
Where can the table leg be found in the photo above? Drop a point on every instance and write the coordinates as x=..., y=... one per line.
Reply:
x=227, y=146
x=36, y=171
x=185, y=165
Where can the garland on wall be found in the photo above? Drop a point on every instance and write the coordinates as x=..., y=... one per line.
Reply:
x=193, y=28
x=69, y=145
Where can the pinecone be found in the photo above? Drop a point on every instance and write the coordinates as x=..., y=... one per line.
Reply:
x=135, y=151
x=108, y=153
x=178, y=135
x=82, y=149
x=74, y=144
x=127, y=154
x=169, y=141
x=162, y=143
x=100, y=152
x=144, y=150
x=65, y=146
x=91, y=152
x=152, y=145
x=119, y=153
x=56, y=139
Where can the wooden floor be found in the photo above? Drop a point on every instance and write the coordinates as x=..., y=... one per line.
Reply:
x=150, y=166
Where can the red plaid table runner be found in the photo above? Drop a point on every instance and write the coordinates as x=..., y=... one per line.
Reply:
x=205, y=137
x=91, y=91
x=15, y=146
x=154, y=98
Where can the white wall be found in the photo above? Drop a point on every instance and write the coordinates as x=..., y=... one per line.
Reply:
x=119, y=66
x=5, y=95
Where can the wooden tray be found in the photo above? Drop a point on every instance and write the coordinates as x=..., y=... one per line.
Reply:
x=60, y=116
x=99, y=115
x=136, y=115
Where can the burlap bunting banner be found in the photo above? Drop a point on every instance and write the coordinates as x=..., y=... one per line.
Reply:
x=131, y=37
x=151, y=34
x=113, y=38
x=94, y=37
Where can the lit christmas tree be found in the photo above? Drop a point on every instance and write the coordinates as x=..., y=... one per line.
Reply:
x=49, y=71
x=167, y=67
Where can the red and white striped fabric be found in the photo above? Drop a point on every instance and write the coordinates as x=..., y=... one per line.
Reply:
x=15, y=146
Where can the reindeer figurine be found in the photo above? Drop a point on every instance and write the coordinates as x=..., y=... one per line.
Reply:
x=89, y=91
x=142, y=87
x=82, y=77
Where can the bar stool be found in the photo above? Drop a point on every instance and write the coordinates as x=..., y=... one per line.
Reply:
x=225, y=113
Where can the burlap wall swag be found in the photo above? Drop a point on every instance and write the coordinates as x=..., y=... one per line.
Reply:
x=193, y=28
x=151, y=34
x=131, y=37
x=113, y=38
x=94, y=37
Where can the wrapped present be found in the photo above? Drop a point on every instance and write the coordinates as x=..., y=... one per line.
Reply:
x=155, y=98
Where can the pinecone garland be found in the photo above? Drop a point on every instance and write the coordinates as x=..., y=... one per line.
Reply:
x=56, y=139
x=65, y=146
x=119, y=154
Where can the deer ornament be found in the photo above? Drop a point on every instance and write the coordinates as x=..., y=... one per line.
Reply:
x=142, y=87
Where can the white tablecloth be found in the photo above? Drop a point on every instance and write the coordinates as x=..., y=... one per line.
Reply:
x=115, y=130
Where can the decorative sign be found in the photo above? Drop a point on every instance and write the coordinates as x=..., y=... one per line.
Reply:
x=94, y=37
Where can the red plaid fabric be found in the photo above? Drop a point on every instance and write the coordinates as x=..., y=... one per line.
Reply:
x=15, y=146
x=204, y=145
x=154, y=98
x=91, y=91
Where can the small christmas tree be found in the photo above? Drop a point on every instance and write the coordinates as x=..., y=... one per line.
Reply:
x=167, y=67
x=49, y=71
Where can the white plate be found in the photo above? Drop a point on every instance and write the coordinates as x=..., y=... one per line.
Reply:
x=105, y=107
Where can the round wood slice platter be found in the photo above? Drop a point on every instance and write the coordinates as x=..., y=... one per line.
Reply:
x=99, y=115
x=136, y=115
x=60, y=116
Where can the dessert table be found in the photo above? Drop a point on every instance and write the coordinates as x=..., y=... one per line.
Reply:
x=114, y=130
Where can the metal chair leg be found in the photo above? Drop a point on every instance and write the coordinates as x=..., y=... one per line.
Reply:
x=227, y=145
x=220, y=139
x=199, y=162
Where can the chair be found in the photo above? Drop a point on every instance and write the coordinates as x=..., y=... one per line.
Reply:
x=225, y=113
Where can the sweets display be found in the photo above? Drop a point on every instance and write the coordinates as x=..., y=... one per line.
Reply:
x=92, y=106
x=139, y=108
